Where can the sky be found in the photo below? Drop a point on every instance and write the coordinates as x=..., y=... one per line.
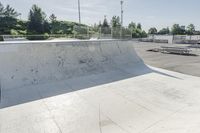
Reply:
x=150, y=13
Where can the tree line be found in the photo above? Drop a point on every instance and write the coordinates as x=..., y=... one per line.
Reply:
x=176, y=29
x=115, y=28
x=39, y=23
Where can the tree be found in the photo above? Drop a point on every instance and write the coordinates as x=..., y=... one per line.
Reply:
x=152, y=31
x=143, y=34
x=99, y=25
x=10, y=12
x=178, y=30
x=47, y=27
x=1, y=9
x=52, y=18
x=8, y=19
x=132, y=26
x=139, y=26
x=95, y=27
x=105, y=28
x=115, y=22
x=136, y=30
x=164, y=31
x=37, y=19
x=190, y=29
x=105, y=22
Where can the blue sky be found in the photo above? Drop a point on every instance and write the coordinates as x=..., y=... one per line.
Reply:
x=151, y=13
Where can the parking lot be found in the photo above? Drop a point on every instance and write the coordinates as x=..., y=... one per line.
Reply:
x=174, y=62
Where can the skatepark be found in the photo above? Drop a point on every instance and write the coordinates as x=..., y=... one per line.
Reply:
x=96, y=86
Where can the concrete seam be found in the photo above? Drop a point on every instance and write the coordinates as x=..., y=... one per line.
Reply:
x=163, y=119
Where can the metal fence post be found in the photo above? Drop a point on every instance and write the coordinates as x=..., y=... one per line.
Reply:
x=111, y=33
x=100, y=33
x=88, y=34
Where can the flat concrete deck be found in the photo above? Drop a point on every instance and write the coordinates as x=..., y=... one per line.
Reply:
x=156, y=102
x=178, y=63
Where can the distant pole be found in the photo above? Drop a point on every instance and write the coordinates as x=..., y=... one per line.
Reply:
x=122, y=2
x=79, y=11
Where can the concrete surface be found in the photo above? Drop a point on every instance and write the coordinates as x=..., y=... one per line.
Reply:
x=179, y=63
x=128, y=97
x=26, y=63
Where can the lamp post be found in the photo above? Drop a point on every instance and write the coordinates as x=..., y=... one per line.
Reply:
x=122, y=11
x=121, y=2
x=79, y=11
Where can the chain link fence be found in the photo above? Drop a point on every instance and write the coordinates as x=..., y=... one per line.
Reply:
x=79, y=32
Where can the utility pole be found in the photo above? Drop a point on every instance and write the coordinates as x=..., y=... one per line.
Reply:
x=122, y=11
x=79, y=11
x=121, y=2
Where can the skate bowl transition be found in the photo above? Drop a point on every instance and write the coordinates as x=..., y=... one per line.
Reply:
x=98, y=86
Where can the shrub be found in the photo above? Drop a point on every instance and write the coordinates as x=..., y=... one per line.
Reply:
x=1, y=38
x=38, y=37
x=14, y=32
x=83, y=37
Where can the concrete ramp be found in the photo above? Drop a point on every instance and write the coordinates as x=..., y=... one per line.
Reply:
x=92, y=87
x=41, y=62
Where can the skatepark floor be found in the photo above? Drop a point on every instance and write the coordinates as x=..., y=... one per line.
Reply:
x=178, y=63
x=149, y=103
x=132, y=98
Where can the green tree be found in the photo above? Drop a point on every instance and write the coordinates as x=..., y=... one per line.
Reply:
x=95, y=27
x=47, y=27
x=115, y=22
x=164, y=31
x=53, y=18
x=105, y=28
x=152, y=30
x=190, y=29
x=143, y=34
x=139, y=26
x=136, y=30
x=105, y=22
x=53, y=23
x=8, y=19
x=132, y=26
x=178, y=30
x=10, y=12
x=37, y=18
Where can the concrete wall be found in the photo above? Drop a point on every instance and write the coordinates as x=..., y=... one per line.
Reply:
x=162, y=38
x=179, y=39
x=26, y=63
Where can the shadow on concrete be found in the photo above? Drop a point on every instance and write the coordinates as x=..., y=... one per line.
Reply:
x=156, y=50
x=27, y=94
x=182, y=54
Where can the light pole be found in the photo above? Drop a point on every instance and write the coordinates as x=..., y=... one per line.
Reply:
x=122, y=11
x=79, y=11
x=121, y=2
